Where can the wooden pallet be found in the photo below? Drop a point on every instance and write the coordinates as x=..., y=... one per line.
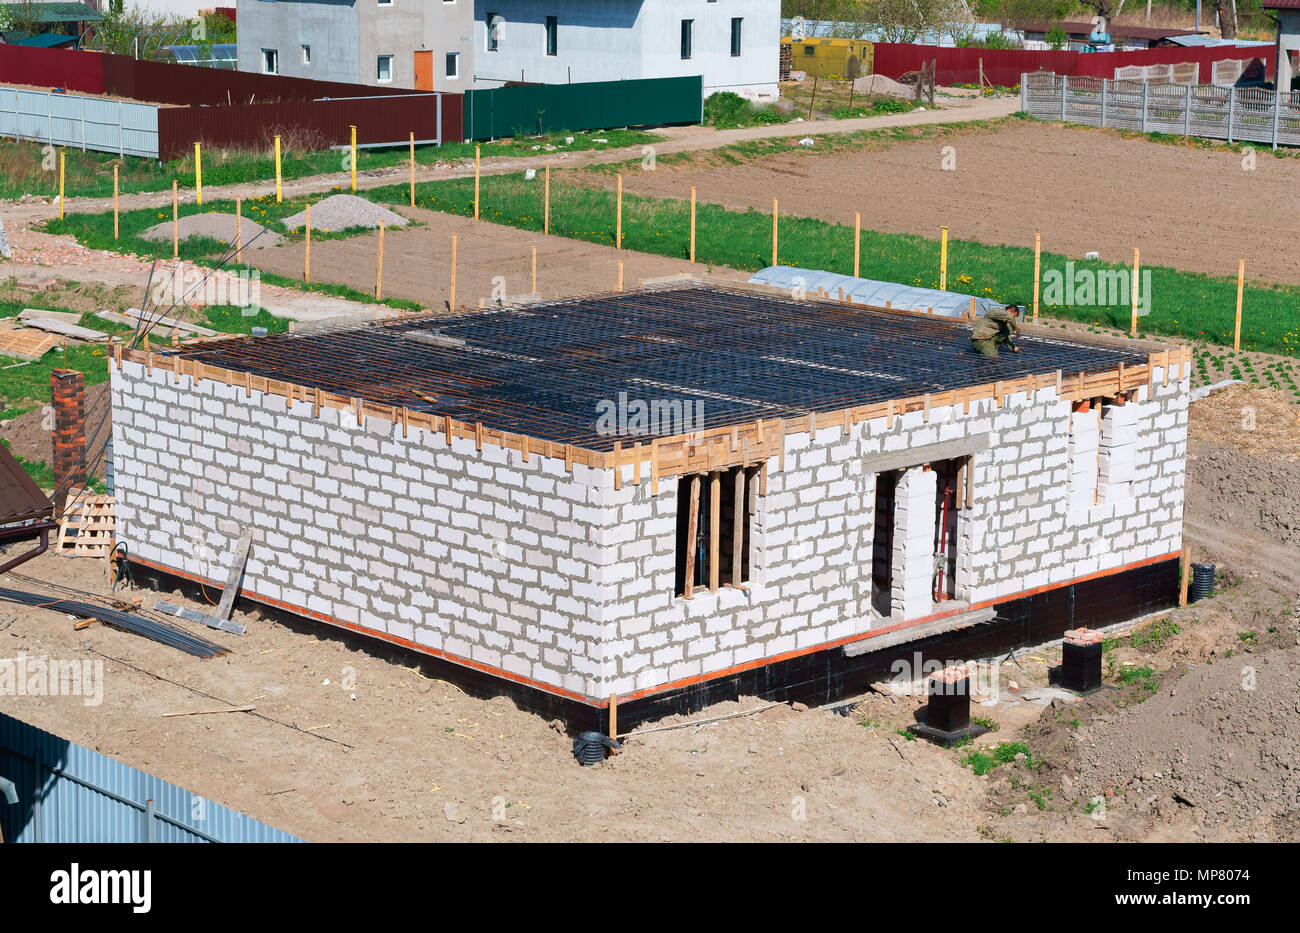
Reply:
x=87, y=527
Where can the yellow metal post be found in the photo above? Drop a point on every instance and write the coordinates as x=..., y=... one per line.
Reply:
x=60, y=184
x=198, y=171
x=775, y=214
x=278, y=193
x=1241, y=284
x=476, y=181
x=115, y=200
x=857, y=243
x=354, y=158
x=943, y=259
x=1038, y=267
x=1133, y=327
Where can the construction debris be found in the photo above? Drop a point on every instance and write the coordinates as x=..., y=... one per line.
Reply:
x=193, y=615
x=160, y=632
x=87, y=527
x=23, y=344
x=64, y=323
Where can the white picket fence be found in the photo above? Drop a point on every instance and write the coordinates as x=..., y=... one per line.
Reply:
x=1205, y=110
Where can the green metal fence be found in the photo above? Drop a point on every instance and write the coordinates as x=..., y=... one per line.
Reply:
x=597, y=105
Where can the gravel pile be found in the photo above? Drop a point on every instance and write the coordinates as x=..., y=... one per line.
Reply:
x=1227, y=742
x=218, y=227
x=343, y=211
x=879, y=84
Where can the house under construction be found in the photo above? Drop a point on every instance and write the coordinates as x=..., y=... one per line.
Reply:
x=669, y=496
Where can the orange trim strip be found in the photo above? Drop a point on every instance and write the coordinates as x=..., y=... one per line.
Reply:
x=663, y=688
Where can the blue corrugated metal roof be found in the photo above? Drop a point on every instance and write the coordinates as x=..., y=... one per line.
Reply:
x=70, y=793
x=872, y=291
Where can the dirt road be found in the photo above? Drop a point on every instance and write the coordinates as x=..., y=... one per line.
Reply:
x=1083, y=189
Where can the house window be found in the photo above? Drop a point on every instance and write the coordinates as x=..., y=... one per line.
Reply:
x=713, y=528
x=552, y=35
x=270, y=61
x=306, y=54
x=453, y=65
x=385, y=2
x=384, y=69
x=493, y=22
x=735, y=36
x=688, y=35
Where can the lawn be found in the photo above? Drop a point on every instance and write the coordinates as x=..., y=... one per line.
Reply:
x=1182, y=304
x=25, y=168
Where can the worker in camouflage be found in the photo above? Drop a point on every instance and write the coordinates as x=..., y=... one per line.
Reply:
x=997, y=326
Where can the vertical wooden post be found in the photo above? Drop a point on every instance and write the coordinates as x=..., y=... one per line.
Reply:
x=533, y=290
x=970, y=312
x=1133, y=327
x=115, y=200
x=613, y=719
x=715, y=521
x=412, y=169
x=239, y=229
x=857, y=244
x=620, y=275
x=546, y=211
x=61, y=187
x=692, y=527
x=738, y=523
x=354, y=159
x=692, y=223
x=1184, y=575
x=176, y=229
x=1241, y=284
x=379, y=268
x=198, y=172
x=943, y=259
x=452, y=301
x=1038, y=267
x=476, y=180
x=775, y=214
x=279, y=194
x=306, y=225
x=618, y=221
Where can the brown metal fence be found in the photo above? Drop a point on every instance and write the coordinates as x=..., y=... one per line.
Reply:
x=313, y=124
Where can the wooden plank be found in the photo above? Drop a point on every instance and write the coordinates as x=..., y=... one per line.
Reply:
x=61, y=322
x=235, y=572
x=25, y=344
x=715, y=529
x=692, y=532
x=193, y=615
x=738, y=526
x=206, y=712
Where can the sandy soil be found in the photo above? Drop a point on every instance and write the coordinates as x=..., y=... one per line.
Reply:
x=417, y=262
x=1084, y=189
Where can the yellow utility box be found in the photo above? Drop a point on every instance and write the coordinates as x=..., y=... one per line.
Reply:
x=842, y=58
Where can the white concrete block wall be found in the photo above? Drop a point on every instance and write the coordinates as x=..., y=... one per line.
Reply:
x=475, y=554
x=562, y=579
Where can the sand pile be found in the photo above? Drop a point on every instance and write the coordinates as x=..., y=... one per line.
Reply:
x=217, y=227
x=343, y=212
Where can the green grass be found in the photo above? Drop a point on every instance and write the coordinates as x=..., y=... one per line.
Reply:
x=90, y=174
x=1183, y=304
x=1145, y=677
x=726, y=110
x=982, y=762
x=1153, y=637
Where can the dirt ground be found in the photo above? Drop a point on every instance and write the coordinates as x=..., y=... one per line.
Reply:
x=414, y=758
x=417, y=262
x=1084, y=189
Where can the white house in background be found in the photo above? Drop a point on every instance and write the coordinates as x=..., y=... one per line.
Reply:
x=733, y=44
x=1288, y=39
x=424, y=44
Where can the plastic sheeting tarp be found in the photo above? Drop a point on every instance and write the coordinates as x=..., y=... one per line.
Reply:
x=873, y=292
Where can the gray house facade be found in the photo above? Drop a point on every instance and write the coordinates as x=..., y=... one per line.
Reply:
x=424, y=44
